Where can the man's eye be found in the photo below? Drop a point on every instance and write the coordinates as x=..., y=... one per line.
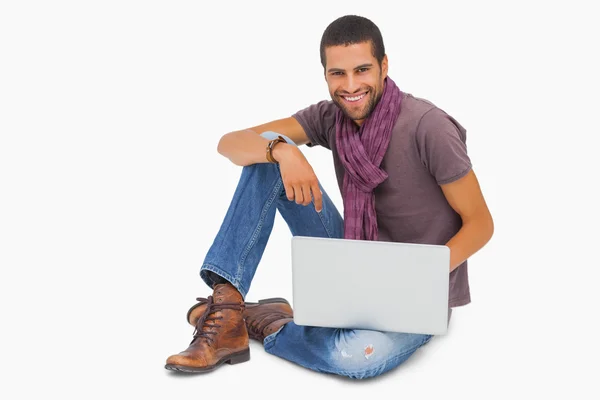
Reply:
x=362, y=69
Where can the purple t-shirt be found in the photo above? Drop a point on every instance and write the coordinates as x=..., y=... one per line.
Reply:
x=427, y=149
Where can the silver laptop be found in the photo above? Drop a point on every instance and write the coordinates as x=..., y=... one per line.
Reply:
x=359, y=284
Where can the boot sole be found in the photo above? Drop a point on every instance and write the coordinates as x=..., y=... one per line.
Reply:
x=271, y=300
x=235, y=358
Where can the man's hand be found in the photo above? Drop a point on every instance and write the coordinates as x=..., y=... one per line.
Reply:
x=298, y=177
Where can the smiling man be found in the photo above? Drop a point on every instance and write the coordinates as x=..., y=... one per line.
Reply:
x=404, y=173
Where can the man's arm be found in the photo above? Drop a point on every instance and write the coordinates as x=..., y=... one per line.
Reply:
x=465, y=197
x=247, y=147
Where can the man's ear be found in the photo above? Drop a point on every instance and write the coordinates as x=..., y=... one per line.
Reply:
x=384, y=66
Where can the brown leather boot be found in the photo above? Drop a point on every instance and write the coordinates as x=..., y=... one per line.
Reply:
x=262, y=318
x=220, y=335
x=267, y=317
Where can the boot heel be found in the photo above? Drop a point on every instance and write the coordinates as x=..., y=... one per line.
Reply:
x=239, y=357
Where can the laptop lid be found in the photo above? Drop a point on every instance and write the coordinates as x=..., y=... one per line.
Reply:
x=359, y=284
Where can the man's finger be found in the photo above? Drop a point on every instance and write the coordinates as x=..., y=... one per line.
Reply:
x=298, y=192
x=306, y=193
x=317, y=197
x=289, y=191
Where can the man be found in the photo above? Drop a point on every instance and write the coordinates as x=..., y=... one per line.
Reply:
x=405, y=176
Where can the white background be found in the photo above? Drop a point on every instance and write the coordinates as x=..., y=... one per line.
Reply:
x=111, y=189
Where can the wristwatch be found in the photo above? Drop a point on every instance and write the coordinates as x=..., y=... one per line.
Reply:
x=270, y=146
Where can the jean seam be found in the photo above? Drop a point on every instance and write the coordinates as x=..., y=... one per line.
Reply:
x=257, y=230
x=324, y=224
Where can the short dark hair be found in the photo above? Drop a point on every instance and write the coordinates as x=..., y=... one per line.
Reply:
x=352, y=29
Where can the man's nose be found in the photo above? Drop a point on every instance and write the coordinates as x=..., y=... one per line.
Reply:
x=352, y=84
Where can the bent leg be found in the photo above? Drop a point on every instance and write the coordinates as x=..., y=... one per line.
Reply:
x=354, y=353
x=242, y=238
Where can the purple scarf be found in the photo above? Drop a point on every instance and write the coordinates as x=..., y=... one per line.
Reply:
x=361, y=151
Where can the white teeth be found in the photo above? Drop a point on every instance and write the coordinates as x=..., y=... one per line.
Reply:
x=355, y=98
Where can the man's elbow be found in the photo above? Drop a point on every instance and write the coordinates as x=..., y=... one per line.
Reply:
x=222, y=144
x=483, y=223
x=488, y=226
x=224, y=149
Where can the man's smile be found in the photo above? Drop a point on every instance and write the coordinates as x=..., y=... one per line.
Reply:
x=355, y=99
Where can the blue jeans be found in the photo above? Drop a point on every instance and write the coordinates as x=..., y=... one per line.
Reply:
x=237, y=251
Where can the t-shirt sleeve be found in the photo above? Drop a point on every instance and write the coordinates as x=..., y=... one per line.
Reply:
x=318, y=121
x=442, y=145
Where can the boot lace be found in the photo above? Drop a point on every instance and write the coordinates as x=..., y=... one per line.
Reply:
x=209, y=315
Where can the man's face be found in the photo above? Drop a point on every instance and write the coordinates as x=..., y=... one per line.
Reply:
x=355, y=79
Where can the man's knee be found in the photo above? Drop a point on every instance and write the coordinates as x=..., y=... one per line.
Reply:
x=364, y=354
x=360, y=354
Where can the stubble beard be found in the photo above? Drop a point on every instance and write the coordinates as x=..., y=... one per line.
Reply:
x=367, y=109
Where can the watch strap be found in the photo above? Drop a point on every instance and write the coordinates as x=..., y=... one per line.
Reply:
x=270, y=146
